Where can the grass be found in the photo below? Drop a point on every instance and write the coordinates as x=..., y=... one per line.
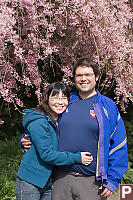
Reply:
x=10, y=156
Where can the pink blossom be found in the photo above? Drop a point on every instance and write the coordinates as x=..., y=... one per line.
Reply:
x=33, y=30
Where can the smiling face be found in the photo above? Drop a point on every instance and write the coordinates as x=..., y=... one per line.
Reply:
x=58, y=103
x=85, y=81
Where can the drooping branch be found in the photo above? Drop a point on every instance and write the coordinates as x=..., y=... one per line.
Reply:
x=39, y=36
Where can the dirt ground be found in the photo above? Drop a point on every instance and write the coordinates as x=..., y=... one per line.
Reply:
x=114, y=196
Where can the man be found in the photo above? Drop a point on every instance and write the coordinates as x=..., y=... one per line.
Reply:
x=93, y=124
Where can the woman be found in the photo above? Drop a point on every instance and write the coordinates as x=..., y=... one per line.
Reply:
x=34, y=174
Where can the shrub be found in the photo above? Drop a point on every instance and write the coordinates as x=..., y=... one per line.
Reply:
x=10, y=158
x=128, y=176
x=6, y=187
x=129, y=128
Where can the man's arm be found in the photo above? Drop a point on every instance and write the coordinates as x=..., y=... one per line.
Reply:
x=118, y=156
x=24, y=142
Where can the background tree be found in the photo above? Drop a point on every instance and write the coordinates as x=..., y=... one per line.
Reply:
x=41, y=39
x=39, y=42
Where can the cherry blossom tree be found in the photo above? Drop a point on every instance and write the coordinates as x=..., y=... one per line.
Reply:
x=37, y=35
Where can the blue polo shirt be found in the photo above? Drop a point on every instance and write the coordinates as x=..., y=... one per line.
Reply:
x=79, y=132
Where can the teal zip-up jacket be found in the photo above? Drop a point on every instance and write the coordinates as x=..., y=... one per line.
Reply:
x=37, y=163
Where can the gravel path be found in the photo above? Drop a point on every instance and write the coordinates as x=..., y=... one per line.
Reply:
x=114, y=196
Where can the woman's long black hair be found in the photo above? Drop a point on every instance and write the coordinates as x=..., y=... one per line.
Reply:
x=53, y=89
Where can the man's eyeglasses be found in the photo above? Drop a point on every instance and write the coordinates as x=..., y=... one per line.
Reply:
x=79, y=76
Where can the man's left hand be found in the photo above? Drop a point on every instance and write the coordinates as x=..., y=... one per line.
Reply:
x=106, y=192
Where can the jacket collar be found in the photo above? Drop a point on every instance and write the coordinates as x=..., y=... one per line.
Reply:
x=74, y=96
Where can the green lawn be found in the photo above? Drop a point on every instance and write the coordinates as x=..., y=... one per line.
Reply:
x=10, y=156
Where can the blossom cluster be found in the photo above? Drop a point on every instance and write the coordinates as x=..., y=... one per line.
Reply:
x=38, y=30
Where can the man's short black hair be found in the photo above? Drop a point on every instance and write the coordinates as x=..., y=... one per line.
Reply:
x=86, y=62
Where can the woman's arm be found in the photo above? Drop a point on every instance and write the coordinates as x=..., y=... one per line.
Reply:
x=42, y=141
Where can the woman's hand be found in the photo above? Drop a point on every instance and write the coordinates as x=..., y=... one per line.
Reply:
x=86, y=158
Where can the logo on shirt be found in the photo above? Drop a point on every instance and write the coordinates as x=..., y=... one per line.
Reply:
x=92, y=113
x=67, y=110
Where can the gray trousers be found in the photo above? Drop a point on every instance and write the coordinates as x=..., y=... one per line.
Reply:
x=71, y=186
